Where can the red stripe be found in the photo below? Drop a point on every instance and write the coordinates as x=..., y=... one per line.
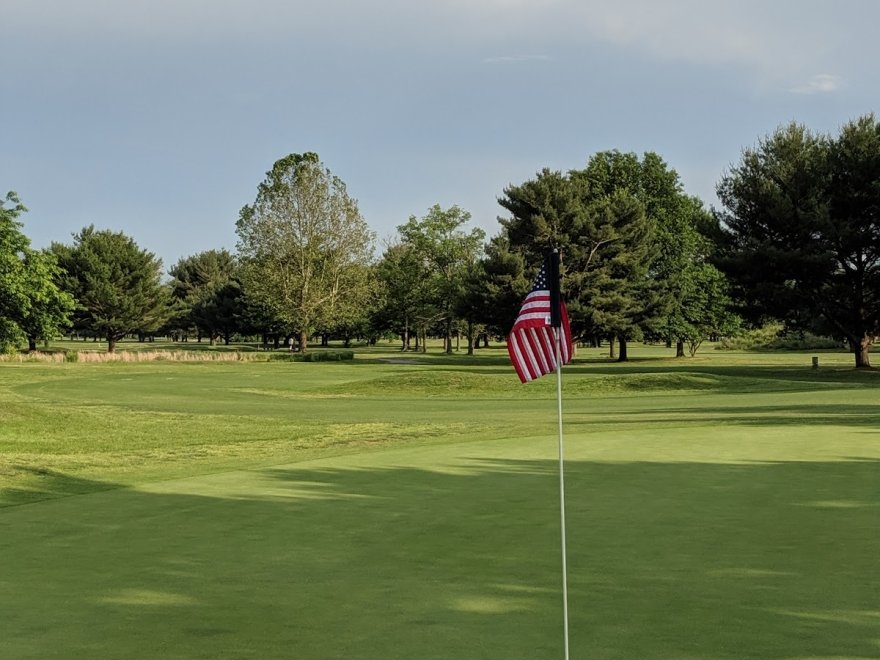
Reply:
x=512, y=348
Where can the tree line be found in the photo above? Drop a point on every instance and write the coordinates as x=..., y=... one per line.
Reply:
x=797, y=240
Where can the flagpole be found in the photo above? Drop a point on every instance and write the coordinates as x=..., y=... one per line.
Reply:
x=558, y=332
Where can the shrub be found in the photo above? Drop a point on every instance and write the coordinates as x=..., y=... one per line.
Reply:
x=328, y=356
x=774, y=336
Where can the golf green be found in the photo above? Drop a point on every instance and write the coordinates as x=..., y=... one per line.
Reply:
x=720, y=509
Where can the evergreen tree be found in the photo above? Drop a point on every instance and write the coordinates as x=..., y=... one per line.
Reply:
x=802, y=223
x=205, y=289
x=116, y=284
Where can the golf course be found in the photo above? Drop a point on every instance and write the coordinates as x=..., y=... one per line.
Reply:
x=403, y=505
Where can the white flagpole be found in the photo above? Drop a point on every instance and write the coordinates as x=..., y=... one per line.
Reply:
x=559, y=333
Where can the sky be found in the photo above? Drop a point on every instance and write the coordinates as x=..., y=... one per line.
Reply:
x=160, y=118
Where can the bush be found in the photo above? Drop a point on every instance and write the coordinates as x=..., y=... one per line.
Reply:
x=328, y=356
x=774, y=336
x=316, y=356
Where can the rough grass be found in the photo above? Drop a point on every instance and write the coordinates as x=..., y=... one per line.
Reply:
x=725, y=507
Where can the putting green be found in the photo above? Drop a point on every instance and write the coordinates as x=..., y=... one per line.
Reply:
x=720, y=513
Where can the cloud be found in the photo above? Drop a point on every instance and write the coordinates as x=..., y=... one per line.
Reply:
x=822, y=83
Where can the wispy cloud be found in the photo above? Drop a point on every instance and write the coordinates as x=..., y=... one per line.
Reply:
x=822, y=83
x=517, y=58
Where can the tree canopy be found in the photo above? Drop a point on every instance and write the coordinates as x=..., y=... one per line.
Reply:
x=116, y=284
x=206, y=290
x=446, y=252
x=618, y=224
x=797, y=240
x=32, y=307
x=303, y=245
x=801, y=220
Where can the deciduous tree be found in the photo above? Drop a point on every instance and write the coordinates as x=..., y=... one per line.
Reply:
x=303, y=245
x=448, y=250
x=32, y=307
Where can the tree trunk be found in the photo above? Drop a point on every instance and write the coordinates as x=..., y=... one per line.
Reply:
x=611, y=346
x=470, y=338
x=32, y=344
x=111, y=344
x=448, y=335
x=679, y=349
x=862, y=351
x=303, y=341
x=623, y=356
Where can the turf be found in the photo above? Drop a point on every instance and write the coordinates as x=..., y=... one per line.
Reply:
x=722, y=507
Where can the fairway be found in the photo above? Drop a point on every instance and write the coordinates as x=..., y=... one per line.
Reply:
x=726, y=506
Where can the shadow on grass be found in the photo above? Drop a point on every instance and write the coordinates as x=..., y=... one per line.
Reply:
x=666, y=560
x=42, y=484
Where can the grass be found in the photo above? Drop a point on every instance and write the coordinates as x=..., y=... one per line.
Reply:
x=404, y=506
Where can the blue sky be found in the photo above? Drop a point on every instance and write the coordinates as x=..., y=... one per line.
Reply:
x=160, y=117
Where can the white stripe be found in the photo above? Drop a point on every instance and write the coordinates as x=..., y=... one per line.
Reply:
x=527, y=347
x=538, y=292
x=519, y=356
x=535, y=316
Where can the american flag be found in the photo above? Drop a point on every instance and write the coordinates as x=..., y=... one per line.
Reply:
x=532, y=342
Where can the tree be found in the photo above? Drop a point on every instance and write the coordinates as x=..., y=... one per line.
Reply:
x=50, y=307
x=622, y=297
x=404, y=290
x=31, y=305
x=205, y=285
x=13, y=283
x=116, y=284
x=303, y=246
x=699, y=304
x=801, y=220
x=470, y=303
x=597, y=219
x=352, y=313
x=505, y=285
x=703, y=309
x=448, y=251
